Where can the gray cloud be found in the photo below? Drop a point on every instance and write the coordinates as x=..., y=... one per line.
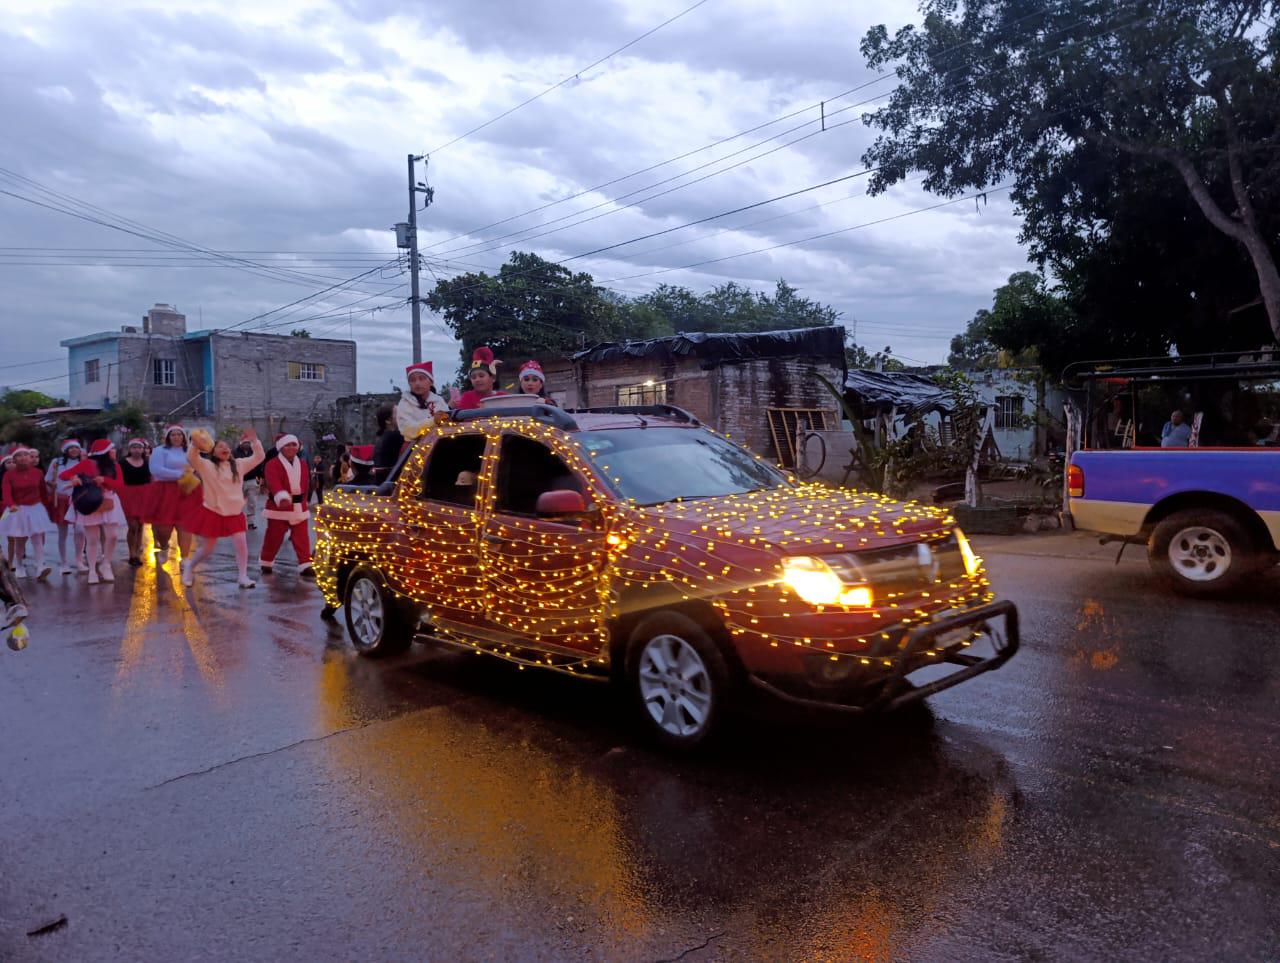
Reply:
x=293, y=139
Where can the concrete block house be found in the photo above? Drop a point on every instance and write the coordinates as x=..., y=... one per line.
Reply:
x=213, y=378
x=756, y=387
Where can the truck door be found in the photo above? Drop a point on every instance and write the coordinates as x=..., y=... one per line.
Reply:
x=436, y=561
x=546, y=575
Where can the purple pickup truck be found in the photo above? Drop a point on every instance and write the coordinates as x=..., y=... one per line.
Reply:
x=1209, y=517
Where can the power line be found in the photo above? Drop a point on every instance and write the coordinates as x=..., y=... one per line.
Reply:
x=482, y=247
x=810, y=107
x=137, y=229
x=574, y=76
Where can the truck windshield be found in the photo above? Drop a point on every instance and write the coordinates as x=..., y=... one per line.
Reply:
x=655, y=465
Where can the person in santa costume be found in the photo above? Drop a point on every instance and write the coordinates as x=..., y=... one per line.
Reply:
x=222, y=502
x=288, y=482
x=483, y=377
x=361, y=457
x=419, y=404
x=174, y=498
x=534, y=382
x=72, y=453
x=102, y=526
x=25, y=516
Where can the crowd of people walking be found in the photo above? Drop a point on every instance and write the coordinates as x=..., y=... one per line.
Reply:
x=190, y=491
x=193, y=492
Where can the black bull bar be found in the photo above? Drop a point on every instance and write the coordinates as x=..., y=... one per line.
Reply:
x=907, y=660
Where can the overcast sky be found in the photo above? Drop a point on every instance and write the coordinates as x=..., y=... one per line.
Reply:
x=282, y=128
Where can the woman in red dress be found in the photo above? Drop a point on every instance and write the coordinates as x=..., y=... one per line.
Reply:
x=137, y=496
x=172, y=507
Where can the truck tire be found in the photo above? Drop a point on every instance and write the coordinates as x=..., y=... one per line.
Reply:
x=679, y=679
x=374, y=622
x=1202, y=551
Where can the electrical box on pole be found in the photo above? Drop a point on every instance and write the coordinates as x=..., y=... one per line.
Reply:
x=402, y=235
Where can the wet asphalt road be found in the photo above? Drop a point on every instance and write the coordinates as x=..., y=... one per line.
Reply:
x=219, y=777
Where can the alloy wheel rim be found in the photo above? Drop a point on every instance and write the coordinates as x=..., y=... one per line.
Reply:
x=1200, y=554
x=366, y=611
x=675, y=685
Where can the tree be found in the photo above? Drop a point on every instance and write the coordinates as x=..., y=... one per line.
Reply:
x=299, y=333
x=973, y=349
x=1014, y=89
x=733, y=307
x=531, y=308
x=25, y=401
x=856, y=356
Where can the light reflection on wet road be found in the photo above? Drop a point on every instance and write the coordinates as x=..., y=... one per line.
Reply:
x=219, y=776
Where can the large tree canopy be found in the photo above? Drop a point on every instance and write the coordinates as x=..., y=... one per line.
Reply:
x=534, y=308
x=732, y=307
x=1060, y=98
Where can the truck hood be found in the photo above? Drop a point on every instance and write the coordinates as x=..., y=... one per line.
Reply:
x=805, y=520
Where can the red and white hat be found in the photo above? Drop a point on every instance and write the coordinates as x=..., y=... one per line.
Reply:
x=483, y=358
x=533, y=368
x=361, y=454
x=71, y=443
x=171, y=429
x=101, y=447
x=282, y=440
x=424, y=367
x=135, y=441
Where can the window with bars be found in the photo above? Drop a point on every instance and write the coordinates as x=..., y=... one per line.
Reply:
x=1009, y=411
x=305, y=371
x=645, y=394
x=164, y=372
x=91, y=371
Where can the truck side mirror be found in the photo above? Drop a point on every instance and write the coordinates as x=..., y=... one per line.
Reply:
x=560, y=503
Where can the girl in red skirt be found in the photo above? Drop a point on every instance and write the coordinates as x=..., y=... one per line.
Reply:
x=222, y=512
x=136, y=496
x=171, y=505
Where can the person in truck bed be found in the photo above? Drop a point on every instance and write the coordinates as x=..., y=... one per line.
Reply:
x=483, y=377
x=1176, y=432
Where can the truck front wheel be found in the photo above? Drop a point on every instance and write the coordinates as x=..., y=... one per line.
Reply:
x=1201, y=551
x=374, y=622
x=679, y=680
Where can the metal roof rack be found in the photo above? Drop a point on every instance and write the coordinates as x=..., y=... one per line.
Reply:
x=1259, y=363
x=653, y=411
x=548, y=414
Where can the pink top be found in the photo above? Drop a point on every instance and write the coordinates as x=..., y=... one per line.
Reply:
x=223, y=492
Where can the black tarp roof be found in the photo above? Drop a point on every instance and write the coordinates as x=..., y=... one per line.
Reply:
x=825, y=342
x=879, y=391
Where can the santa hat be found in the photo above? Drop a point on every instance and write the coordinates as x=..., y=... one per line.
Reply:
x=361, y=454
x=424, y=367
x=171, y=429
x=535, y=369
x=282, y=440
x=101, y=447
x=135, y=441
x=71, y=443
x=482, y=357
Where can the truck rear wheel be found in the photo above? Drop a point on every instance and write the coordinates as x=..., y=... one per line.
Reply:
x=1201, y=551
x=679, y=679
x=374, y=622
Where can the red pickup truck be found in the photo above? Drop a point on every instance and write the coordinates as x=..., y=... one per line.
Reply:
x=634, y=543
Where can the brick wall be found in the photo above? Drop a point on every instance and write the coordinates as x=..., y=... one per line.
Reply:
x=747, y=389
x=252, y=386
x=732, y=398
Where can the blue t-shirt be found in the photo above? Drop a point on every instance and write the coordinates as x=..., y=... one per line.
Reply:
x=1175, y=436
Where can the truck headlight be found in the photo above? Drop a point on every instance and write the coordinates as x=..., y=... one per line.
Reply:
x=814, y=581
x=972, y=560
